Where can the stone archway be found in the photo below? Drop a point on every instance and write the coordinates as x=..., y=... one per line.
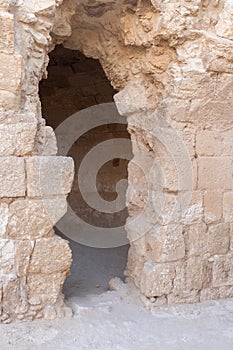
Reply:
x=77, y=85
x=172, y=63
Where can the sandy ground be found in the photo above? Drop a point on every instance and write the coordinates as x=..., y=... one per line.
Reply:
x=117, y=320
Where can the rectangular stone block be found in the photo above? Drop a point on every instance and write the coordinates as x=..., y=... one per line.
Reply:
x=191, y=203
x=218, y=239
x=7, y=32
x=35, y=218
x=208, y=143
x=9, y=100
x=223, y=270
x=198, y=274
x=195, y=237
x=50, y=255
x=212, y=206
x=228, y=206
x=17, y=139
x=185, y=297
x=215, y=173
x=45, y=288
x=12, y=177
x=209, y=294
x=49, y=175
x=166, y=243
x=201, y=240
x=157, y=279
x=10, y=73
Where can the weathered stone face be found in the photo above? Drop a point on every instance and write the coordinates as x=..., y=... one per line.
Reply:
x=172, y=63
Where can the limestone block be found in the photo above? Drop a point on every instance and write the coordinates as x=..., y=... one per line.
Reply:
x=215, y=173
x=212, y=206
x=227, y=142
x=4, y=215
x=224, y=27
x=131, y=99
x=45, y=287
x=188, y=297
x=34, y=218
x=12, y=177
x=23, y=252
x=9, y=100
x=191, y=203
x=18, y=138
x=156, y=279
x=10, y=75
x=198, y=274
x=218, y=240
x=7, y=256
x=223, y=270
x=42, y=5
x=5, y=5
x=209, y=294
x=50, y=255
x=166, y=243
x=167, y=206
x=226, y=292
x=12, y=297
x=228, y=206
x=208, y=143
x=49, y=175
x=195, y=237
x=7, y=32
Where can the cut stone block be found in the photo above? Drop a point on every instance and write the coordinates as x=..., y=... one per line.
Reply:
x=166, y=243
x=157, y=279
x=12, y=177
x=17, y=139
x=51, y=255
x=215, y=173
x=35, y=218
x=10, y=74
x=49, y=175
x=7, y=32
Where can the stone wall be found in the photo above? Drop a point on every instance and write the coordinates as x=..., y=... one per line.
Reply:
x=34, y=183
x=172, y=63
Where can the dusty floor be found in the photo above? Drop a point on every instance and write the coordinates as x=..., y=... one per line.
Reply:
x=116, y=320
x=92, y=268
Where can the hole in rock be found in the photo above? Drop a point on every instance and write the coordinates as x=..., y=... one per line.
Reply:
x=74, y=84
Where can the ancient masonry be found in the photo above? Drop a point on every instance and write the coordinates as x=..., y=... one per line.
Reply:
x=172, y=63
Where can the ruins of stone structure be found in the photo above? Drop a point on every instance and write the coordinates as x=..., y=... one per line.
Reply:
x=172, y=64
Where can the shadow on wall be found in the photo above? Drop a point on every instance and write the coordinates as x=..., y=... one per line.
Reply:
x=76, y=82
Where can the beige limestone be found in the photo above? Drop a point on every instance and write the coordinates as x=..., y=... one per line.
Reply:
x=171, y=62
x=11, y=70
x=34, y=218
x=213, y=206
x=166, y=243
x=49, y=176
x=215, y=173
x=12, y=177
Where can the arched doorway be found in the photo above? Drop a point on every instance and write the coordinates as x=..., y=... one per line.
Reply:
x=76, y=83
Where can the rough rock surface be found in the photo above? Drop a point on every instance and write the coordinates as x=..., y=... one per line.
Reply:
x=172, y=63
